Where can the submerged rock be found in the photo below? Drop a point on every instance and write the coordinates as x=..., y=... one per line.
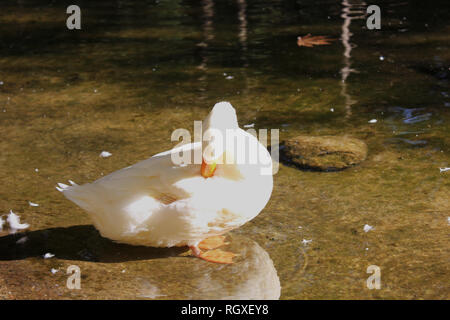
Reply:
x=325, y=153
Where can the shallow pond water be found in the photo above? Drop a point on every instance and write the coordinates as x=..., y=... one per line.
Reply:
x=137, y=70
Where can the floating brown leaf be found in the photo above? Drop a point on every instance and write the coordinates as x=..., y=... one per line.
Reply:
x=309, y=41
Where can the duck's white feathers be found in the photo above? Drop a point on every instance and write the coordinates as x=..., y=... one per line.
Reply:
x=157, y=203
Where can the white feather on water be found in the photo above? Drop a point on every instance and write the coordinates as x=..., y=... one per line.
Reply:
x=105, y=154
x=22, y=240
x=14, y=222
x=32, y=204
x=63, y=186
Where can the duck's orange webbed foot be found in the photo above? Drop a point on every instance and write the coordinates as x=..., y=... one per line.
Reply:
x=212, y=243
x=218, y=256
x=215, y=255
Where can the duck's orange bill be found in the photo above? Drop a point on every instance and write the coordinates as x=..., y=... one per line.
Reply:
x=208, y=170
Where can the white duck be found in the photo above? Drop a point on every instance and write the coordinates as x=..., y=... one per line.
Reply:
x=160, y=204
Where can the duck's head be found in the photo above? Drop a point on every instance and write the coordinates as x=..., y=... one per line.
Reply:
x=222, y=117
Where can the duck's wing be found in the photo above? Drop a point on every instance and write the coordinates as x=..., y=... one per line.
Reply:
x=155, y=177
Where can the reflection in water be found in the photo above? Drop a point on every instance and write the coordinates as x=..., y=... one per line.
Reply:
x=243, y=29
x=412, y=142
x=150, y=291
x=253, y=276
x=350, y=11
x=243, y=38
x=208, y=36
x=208, y=32
x=410, y=116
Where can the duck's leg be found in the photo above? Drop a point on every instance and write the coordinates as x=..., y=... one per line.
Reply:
x=216, y=255
x=196, y=250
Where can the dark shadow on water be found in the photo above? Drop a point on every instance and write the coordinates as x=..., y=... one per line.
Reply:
x=81, y=242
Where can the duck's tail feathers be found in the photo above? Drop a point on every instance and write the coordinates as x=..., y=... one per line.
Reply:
x=80, y=195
